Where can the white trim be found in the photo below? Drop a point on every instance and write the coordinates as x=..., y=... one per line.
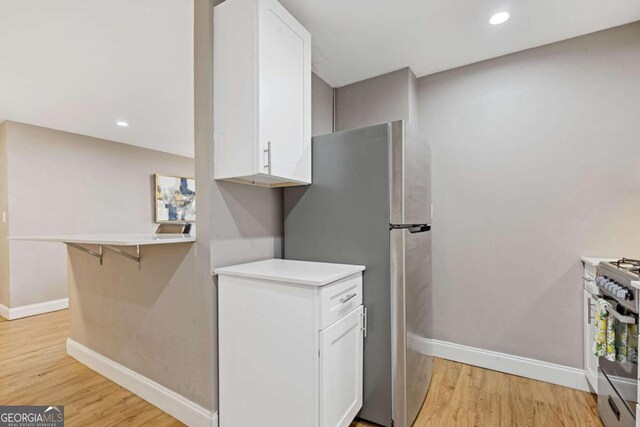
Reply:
x=13, y=313
x=4, y=311
x=502, y=362
x=167, y=400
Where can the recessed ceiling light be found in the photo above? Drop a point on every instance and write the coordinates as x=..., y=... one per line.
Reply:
x=122, y=123
x=499, y=18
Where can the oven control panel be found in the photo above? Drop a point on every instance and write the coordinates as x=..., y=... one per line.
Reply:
x=614, y=288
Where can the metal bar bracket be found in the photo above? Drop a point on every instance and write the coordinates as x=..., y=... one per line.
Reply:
x=98, y=254
x=136, y=258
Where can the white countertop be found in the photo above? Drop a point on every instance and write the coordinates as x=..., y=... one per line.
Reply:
x=595, y=261
x=289, y=271
x=129, y=239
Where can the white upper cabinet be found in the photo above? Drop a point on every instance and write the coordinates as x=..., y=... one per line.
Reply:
x=262, y=95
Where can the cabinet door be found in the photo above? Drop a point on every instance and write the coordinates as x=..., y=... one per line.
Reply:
x=341, y=370
x=590, y=360
x=285, y=93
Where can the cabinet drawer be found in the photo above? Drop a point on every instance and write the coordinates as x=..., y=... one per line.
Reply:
x=339, y=298
x=589, y=279
x=612, y=408
x=589, y=274
x=589, y=271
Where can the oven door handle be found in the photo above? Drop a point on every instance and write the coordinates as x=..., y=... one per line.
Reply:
x=614, y=408
x=630, y=320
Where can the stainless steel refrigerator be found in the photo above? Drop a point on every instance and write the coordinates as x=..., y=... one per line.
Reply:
x=370, y=204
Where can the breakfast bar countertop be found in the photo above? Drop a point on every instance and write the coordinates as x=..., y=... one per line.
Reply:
x=125, y=239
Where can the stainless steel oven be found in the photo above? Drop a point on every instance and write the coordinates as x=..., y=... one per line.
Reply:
x=618, y=378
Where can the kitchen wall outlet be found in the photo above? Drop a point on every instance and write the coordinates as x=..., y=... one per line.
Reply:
x=4, y=216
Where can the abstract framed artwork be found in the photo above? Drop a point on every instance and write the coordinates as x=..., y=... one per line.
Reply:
x=175, y=199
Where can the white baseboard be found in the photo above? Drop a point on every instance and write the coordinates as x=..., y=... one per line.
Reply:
x=158, y=395
x=502, y=362
x=12, y=313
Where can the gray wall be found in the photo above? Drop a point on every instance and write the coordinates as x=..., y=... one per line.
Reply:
x=203, y=131
x=535, y=163
x=64, y=183
x=159, y=321
x=156, y=321
x=4, y=226
x=321, y=106
x=381, y=99
x=246, y=220
x=412, y=114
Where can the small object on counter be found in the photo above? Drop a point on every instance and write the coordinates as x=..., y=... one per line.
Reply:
x=173, y=228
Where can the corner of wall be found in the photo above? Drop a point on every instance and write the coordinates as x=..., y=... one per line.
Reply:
x=388, y=97
x=322, y=106
x=413, y=98
x=203, y=140
x=5, y=297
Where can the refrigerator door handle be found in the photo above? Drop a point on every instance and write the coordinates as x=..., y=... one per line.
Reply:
x=412, y=228
x=420, y=229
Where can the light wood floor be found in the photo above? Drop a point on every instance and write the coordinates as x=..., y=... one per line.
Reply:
x=35, y=370
x=463, y=395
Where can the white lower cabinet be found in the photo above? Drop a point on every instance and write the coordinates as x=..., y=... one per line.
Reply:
x=589, y=298
x=590, y=359
x=291, y=337
x=341, y=370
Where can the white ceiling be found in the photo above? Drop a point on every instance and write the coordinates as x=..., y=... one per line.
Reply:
x=357, y=39
x=82, y=65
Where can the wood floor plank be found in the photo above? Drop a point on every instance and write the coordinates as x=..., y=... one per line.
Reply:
x=489, y=410
x=35, y=370
x=463, y=395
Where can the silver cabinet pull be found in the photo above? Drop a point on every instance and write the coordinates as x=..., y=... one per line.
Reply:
x=364, y=322
x=588, y=279
x=347, y=298
x=267, y=151
x=630, y=320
